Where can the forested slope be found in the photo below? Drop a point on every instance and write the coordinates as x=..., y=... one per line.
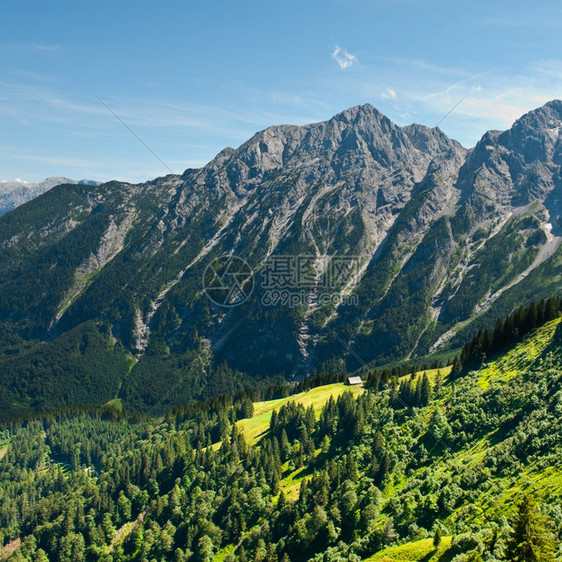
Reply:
x=341, y=482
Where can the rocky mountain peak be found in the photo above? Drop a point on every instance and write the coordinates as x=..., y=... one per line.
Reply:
x=445, y=240
x=357, y=113
x=431, y=140
x=537, y=133
x=359, y=137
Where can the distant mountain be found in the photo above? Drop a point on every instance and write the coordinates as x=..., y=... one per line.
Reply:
x=17, y=192
x=369, y=243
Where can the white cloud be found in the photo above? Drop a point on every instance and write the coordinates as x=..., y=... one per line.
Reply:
x=502, y=98
x=388, y=94
x=48, y=48
x=505, y=107
x=15, y=180
x=343, y=58
x=467, y=107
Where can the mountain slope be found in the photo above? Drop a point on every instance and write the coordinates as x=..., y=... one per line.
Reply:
x=365, y=476
x=15, y=193
x=438, y=241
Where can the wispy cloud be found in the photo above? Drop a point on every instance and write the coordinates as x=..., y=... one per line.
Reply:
x=64, y=162
x=28, y=103
x=388, y=94
x=33, y=76
x=343, y=58
x=285, y=99
x=46, y=48
x=501, y=98
x=492, y=98
x=430, y=68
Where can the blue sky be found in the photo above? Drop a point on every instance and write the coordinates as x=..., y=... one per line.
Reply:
x=193, y=77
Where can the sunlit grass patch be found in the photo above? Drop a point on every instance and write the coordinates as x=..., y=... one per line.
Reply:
x=256, y=426
x=413, y=551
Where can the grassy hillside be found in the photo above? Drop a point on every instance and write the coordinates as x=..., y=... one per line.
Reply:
x=492, y=461
x=335, y=474
x=257, y=426
x=418, y=550
x=431, y=373
x=519, y=359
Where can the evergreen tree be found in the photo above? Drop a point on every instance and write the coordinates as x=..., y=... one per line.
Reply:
x=247, y=408
x=205, y=549
x=458, y=367
x=531, y=538
x=384, y=468
x=425, y=391
x=389, y=534
x=438, y=381
x=437, y=537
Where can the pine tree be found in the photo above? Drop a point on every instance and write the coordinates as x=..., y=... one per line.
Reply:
x=418, y=393
x=438, y=382
x=552, y=309
x=457, y=369
x=532, y=317
x=499, y=333
x=205, y=548
x=425, y=391
x=282, y=501
x=383, y=471
x=273, y=423
x=351, y=468
x=437, y=537
x=310, y=419
x=531, y=538
x=488, y=342
x=247, y=408
x=285, y=446
x=389, y=534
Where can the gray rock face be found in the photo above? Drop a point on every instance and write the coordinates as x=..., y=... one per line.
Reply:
x=444, y=240
x=520, y=165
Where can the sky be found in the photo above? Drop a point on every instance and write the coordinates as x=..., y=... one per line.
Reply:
x=190, y=78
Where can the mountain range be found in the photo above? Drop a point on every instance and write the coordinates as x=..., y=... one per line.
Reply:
x=386, y=243
x=16, y=192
